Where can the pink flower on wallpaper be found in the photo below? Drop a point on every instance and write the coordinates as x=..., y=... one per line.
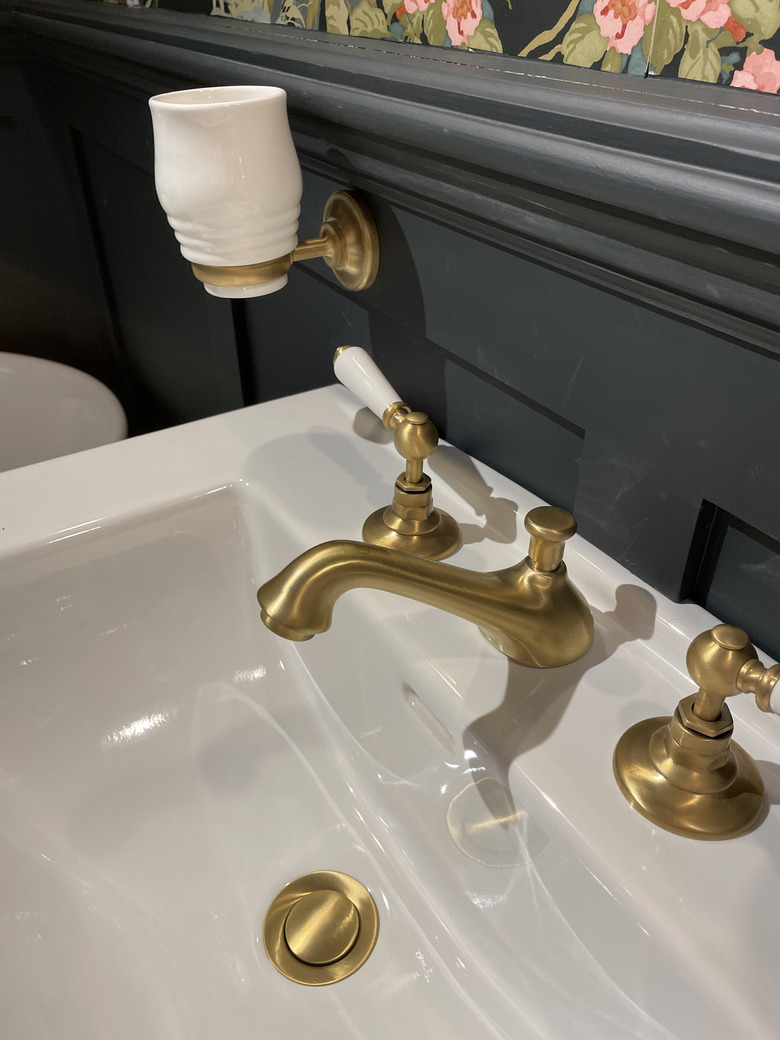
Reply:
x=462, y=18
x=761, y=71
x=410, y=6
x=623, y=21
x=714, y=13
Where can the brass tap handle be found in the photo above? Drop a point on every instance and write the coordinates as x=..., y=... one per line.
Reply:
x=723, y=662
x=760, y=681
x=415, y=435
x=549, y=527
x=685, y=773
x=415, y=439
x=410, y=523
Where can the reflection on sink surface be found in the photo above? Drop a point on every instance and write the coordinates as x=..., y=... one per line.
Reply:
x=167, y=766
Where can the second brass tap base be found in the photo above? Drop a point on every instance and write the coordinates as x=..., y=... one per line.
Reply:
x=726, y=811
x=434, y=538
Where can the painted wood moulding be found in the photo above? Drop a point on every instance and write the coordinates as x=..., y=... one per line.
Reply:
x=663, y=190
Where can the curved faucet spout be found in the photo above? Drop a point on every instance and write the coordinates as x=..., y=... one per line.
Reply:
x=534, y=616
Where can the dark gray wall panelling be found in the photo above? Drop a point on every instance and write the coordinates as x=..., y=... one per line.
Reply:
x=578, y=283
x=741, y=575
x=95, y=267
x=49, y=307
x=181, y=361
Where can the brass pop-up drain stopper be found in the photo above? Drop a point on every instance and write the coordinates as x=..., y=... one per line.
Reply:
x=321, y=928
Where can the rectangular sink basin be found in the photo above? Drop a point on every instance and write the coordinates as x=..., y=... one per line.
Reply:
x=167, y=766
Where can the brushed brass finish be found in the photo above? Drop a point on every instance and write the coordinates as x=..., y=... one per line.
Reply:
x=411, y=523
x=549, y=528
x=311, y=249
x=394, y=412
x=348, y=243
x=760, y=681
x=685, y=773
x=353, y=241
x=249, y=274
x=321, y=928
x=534, y=616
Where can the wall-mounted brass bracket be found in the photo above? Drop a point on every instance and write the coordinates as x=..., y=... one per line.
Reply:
x=348, y=243
x=411, y=522
x=685, y=773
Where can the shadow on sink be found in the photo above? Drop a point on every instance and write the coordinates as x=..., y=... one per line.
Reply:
x=535, y=700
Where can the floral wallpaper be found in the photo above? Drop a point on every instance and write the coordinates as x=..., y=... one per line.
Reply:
x=731, y=42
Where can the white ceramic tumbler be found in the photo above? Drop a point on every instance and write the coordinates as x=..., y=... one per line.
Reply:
x=228, y=177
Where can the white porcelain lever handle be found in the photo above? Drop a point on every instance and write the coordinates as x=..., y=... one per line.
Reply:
x=356, y=369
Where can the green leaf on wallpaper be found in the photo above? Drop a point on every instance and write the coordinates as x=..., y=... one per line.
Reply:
x=337, y=16
x=413, y=26
x=665, y=34
x=583, y=44
x=760, y=17
x=292, y=14
x=701, y=58
x=435, y=25
x=390, y=7
x=611, y=62
x=486, y=38
x=368, y=20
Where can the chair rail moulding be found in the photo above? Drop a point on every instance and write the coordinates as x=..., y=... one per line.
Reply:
x=663, y=191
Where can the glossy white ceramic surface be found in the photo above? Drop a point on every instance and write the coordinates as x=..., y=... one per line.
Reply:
x=48, y=410
x=357, y=370
x=228, y=177
x=167, y=766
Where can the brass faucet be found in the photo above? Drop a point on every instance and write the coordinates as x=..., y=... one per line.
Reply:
x=531, y=611
x=685, y=773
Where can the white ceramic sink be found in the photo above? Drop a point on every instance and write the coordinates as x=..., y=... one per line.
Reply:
x=167, y=766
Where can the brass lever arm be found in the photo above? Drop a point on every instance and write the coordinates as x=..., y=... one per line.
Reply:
x=723, y=662
x=760, y=681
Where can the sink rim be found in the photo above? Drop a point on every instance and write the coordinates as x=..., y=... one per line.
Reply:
x=120, y=482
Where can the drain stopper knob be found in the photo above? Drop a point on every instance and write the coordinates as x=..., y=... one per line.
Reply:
x=322, y=927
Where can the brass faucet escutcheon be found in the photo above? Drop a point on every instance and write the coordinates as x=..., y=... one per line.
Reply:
x=685, y=773
x=532, y=612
